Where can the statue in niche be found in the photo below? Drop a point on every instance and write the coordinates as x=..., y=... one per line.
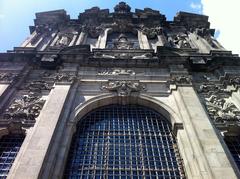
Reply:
x=181, y=41
x=123, y=43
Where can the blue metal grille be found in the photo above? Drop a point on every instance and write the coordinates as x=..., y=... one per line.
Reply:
x=233, y=144
x=9, y=147
x=123, y=141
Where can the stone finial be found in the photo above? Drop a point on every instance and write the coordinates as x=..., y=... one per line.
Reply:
x=122, y=7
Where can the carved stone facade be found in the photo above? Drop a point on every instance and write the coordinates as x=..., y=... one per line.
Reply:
x=70, y=67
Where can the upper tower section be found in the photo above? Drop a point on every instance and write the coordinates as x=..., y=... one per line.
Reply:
x=122, y=29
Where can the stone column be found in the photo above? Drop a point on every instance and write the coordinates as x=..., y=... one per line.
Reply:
x=32, y=154
x=28, y=40
x=200, y=148
x=46, y=41
x=81, y=39
x=161, y=40
x=200, y=43
x=102, y=39
x=143, y=41
x=73, y=39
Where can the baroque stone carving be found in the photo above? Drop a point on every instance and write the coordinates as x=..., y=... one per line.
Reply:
x=143, y=56
x=25, y=109
x=118, y=71
x=210, y=89
x=124, y=88
x=207, y=34
x=93, y=30
x=37, y=86
x=59, y=77
x=222, y=110
x=152, y=33
x=123, y=43
x=122, y=7
x=7, y=77
x=181, y=80
x=41, y=30
x=181, y=41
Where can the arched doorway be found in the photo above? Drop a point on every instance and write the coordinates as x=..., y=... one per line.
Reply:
x=123, y=141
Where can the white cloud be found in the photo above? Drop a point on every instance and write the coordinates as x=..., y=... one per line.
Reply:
x=196, y=6
x=224, y=16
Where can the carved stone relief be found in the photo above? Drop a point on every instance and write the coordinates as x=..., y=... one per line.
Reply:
x=124, y=88
x=118, y=71
x=7, y=77
x=59, y=77
x=222, y=110
x=207, y=34
x=123, y=43
x=181, y=41
x=25, y=109
x=181, y=80
x=152, y=33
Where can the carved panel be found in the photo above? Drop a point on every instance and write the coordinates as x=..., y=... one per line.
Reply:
x=118, y=71
x=25, y=109
x=152, y=33
x=222, y=111
x=7, y=77
x=181, y=80
x=124, y=88
x=59, y=76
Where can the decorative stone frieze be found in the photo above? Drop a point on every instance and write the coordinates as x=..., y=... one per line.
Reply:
x=124, y=88
x=25, y=109
x=180, y=80
x=152, y=33
x=7, y=77
x=222, y=111
x=118, y=71
x=59, y=76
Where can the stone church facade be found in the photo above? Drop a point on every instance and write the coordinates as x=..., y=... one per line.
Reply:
x=119, y=95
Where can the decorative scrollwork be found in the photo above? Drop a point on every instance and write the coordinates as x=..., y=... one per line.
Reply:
x=222, y=110
x=26, y=109
x=152, y=33
x=118, y=71
x=124, y=88
x=181, y=80
x=7, y=77
x=59, y=77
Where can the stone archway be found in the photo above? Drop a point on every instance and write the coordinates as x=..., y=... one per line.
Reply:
x=144, y=100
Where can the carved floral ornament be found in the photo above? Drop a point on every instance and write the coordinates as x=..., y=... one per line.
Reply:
x=152, y=33
x=218, y=103
x=59, y=77
x=118, y=71
x=124, y=88
x=7, y=77
x=25, y=109
x=181, y=80
x=222, y=111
